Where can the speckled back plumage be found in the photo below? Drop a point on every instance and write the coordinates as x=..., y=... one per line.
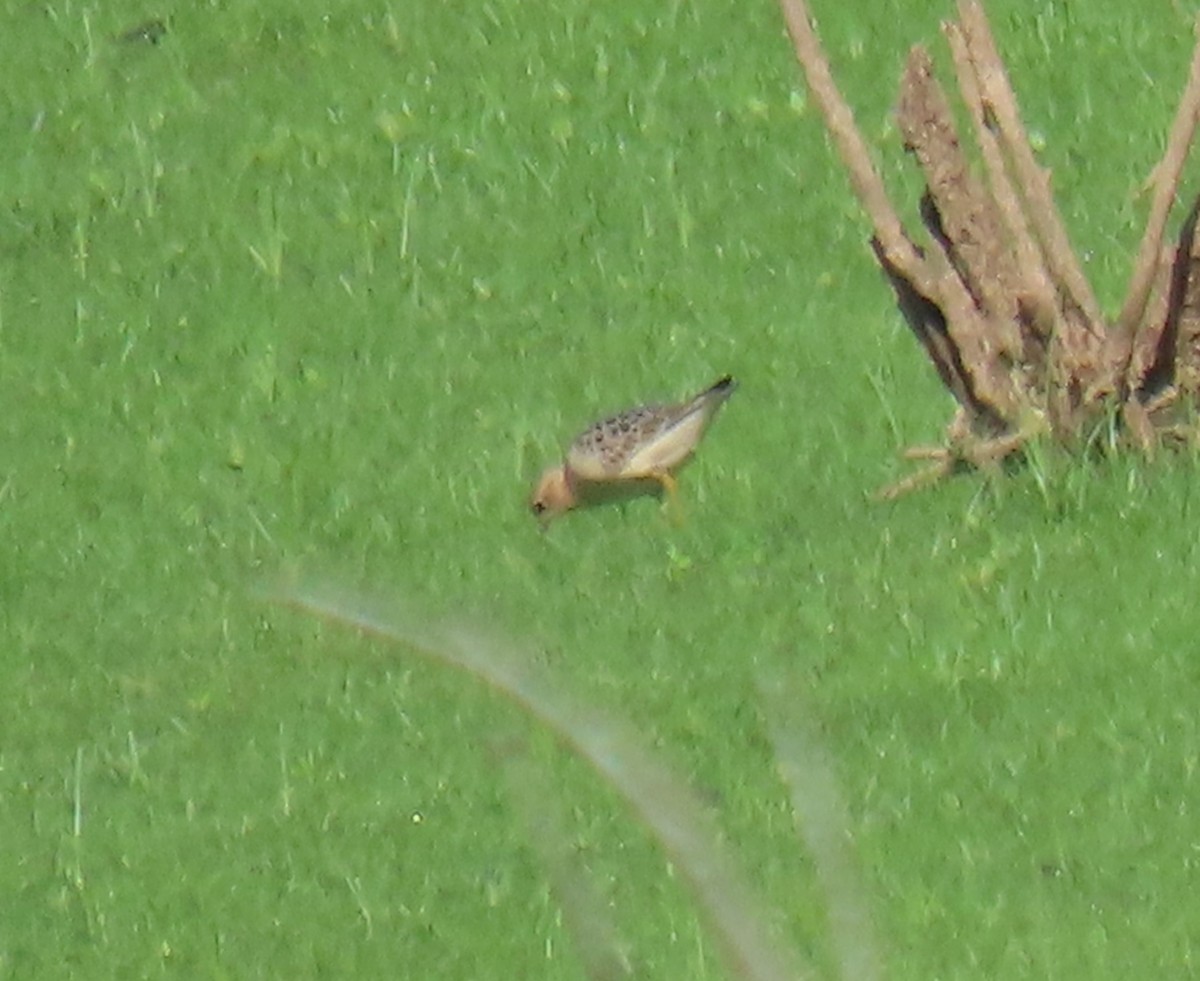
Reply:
x=613, y=440
x=647, y=439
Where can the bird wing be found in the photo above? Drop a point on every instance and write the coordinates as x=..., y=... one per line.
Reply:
x=669, y=446
x=678, y=432
x=601, y=452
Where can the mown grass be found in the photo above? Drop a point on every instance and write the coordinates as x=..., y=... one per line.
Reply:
x=323, y=291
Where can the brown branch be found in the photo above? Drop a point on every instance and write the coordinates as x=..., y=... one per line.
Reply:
x=1138, y=425
x=927, y=322
x=1142, y=351
x=1000, y=301
x=981, y=454
x=963, y=222
x=839, y=120
x=933, y=280
x=1175, y=353
x=968, y=226
x=926, y=453
x=1166, y=183
x=1036, y=291
x=1035, y=182
x=993, y=407
x=922, y=478
x=1147, y=350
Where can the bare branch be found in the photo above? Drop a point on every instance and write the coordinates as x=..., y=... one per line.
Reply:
x=1036, y=290
x=839, y=119
x=932, y=279
x=1177, y=353
x=999, y=300
x=1166, y=183
x=968, y=226
x=1035, y=183
x=922, y=478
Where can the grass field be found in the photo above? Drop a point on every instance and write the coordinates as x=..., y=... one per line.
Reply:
x=319, y=293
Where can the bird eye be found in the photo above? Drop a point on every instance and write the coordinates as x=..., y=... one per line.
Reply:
x=538, y=507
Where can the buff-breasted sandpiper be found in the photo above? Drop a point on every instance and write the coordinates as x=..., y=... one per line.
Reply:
x=646, y=443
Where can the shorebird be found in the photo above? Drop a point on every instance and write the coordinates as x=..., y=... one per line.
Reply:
x=646, y=443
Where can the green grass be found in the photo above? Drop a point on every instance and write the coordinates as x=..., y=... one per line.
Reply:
x=322, y=292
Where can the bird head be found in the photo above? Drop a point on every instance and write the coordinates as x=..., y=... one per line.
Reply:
x=553, y=495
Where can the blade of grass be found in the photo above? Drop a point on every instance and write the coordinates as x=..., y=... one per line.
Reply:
x=664, y=804
x=586, y=919
x=824, y=824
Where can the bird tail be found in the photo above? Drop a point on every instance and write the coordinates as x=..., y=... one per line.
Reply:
x=715, y=394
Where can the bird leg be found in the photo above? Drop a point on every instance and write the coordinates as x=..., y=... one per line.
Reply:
x=671, y=493
x=668, y=483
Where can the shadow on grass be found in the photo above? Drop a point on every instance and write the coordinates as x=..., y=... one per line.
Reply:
x=664, y=804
